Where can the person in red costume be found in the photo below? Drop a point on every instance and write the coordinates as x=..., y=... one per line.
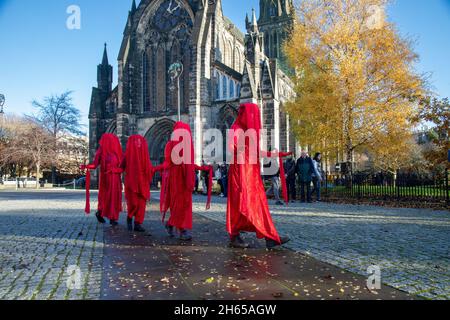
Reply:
x=248, y=209
x=138, y=175
x=178, y=181
x=108, y=157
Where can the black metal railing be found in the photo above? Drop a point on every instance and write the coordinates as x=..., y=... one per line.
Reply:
x=388, y=187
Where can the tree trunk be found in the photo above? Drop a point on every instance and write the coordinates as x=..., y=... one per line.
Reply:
x=38, y=174
x=349, y=168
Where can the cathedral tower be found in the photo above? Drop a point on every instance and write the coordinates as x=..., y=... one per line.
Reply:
x=105, y=74
x=276, y=21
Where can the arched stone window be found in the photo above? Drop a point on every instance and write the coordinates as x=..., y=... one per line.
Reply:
x=161, y=79
x=224, y=87
x=145, y=84
x=232, y=91
x=217, y=84
x=237, y=59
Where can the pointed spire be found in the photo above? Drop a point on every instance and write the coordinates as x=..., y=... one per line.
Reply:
x=105, y=57
x=133, y=6
x=254, y=21
x=280, y=8
x=254, y=24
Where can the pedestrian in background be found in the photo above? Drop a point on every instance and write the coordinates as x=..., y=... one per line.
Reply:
x=317, y=175
x=274, y=180
x=304, y=170
x=224, y=179
x=205, y=178
x=289, y=169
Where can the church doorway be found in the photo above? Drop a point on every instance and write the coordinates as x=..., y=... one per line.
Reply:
x=157, y=138
x=226, y=118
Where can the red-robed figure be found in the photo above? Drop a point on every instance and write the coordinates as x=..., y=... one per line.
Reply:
x=108, y=158
x=248, y=209
x=138, y=175
x=178, y=181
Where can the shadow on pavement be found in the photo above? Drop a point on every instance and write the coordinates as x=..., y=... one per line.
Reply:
x=140, y=266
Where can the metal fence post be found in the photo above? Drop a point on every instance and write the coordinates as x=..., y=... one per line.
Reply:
x=447, y=196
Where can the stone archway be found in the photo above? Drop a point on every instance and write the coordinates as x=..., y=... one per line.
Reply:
x=157, y=137
x=226, y=117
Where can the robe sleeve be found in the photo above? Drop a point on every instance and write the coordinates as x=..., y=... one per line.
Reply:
x=280, y=156
x=88, y=169
x=210, y=182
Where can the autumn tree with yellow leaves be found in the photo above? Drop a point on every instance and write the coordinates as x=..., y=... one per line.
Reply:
x=356, y=87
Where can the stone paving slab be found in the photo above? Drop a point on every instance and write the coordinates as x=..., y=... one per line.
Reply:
x=410, y=246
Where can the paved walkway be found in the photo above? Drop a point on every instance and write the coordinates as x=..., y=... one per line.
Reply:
x=43, y=235
x=140, y=267
x=411, y=246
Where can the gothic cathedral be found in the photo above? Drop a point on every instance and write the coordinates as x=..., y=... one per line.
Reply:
x=222, y=68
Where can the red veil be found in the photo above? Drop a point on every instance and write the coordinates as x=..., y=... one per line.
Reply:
x=248, y=208
x=138, y=168
x=178, y=179
x=108, y=157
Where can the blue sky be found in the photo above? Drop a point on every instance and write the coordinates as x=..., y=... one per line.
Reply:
x=40, y=56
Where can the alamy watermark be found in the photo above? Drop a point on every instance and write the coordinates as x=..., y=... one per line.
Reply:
x=374, y=280
x=74, y=278
x=242, y=147
x=73, y=21
x=376, y=17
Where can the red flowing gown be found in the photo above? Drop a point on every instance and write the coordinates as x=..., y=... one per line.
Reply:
x=108, y=158
x=248, y=208
x=138, y=175
x=178, y=183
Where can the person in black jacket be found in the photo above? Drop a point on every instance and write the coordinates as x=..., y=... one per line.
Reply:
x=289, y=169
x=305, y=170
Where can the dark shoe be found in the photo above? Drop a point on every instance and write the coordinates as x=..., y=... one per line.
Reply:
x=114, y=223
x=238, y=243
x=284, y=240
x=271, y=244
x=130, y=224
x=138, y=228
x=280, y=203
x=185, y=236
x=170, y=231
x=99, y=217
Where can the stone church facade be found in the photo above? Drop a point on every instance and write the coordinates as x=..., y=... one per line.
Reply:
x=222, y=68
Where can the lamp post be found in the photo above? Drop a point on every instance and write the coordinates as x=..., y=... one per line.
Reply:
x=2, y=103
x=175, y=72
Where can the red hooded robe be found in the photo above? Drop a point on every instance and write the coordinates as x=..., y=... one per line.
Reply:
x=248, y=208
x=178, y=181
x=108, y=157
x=138, y=175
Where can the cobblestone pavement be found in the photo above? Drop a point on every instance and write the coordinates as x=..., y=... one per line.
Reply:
x=411, y=246
x=44, y=237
